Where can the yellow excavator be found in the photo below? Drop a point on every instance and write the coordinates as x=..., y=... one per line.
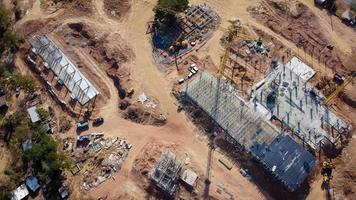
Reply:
x=341, y=87
x=326, y=171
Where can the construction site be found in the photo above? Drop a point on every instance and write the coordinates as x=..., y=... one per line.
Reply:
x=161, y=99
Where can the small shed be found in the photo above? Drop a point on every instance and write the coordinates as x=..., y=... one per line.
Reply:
x=27, y=145
x=189, y=178
x=33, y=114
x=63, y=192
x=47, y=128
x=32, y=183
x=20, y=193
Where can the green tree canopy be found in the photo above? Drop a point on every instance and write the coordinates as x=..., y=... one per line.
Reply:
x=166, y=9
x=353, y=6
x=4, y=16
x=10, y=40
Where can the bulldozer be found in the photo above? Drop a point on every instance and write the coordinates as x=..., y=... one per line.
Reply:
x=326, y=171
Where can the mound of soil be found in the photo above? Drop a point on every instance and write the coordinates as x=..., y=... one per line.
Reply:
x=117, y=8
x=348, y=95
x=344, y=178
x=138, y=114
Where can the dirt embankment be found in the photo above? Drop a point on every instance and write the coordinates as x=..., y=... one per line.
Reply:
x=300, y=26
x=117, y=8
x=344, y=180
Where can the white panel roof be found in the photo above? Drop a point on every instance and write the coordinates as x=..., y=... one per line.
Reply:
x=300, y=68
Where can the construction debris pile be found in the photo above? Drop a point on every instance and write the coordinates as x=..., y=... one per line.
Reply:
x=100, y=158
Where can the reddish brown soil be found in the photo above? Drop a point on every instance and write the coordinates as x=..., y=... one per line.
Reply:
x=117, y=8
x=302, y=28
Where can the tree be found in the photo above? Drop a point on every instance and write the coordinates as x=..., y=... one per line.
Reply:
x=43, y=113
x=353, y=7
x=44, y=159
x=166, y=9
x=23, y=81
x=4, y=17
x=10, y=40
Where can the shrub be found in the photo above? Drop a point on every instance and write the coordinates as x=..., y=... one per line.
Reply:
x=165, y=9
x=23, y=81
x=43, y=113
x=353, y=7
x=10, y=40
x=4, y=16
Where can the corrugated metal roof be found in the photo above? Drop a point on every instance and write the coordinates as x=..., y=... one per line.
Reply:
x=20, y=193
x=33, y=114
x=32, y=183
x=286, y=159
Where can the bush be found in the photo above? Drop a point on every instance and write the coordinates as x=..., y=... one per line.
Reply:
x=23, y=81
x=165, y=9
x=44, y=159
x=10, y=40
x=43, y=113
x=353, y=7
x=4, y=72
x=4, y=17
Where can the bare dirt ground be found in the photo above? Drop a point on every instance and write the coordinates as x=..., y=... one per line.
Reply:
x=179, y=132
x=5, y=160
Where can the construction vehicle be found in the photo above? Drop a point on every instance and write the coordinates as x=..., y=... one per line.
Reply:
x=83, y=125
x=341, y=87
x=326, y=171
x=98, y=121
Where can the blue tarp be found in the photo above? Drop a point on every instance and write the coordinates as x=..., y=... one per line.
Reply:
x=286, y=159
x=32, y=183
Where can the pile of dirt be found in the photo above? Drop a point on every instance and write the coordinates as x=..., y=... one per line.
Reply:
x=349, y=95
x=138, y=114
x=117, y=8
x=344, y=176
x=302, y=28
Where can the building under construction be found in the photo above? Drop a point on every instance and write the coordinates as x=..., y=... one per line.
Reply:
x=65, y=72
x=166, y=173
x=246, y=125
x=287, y=96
